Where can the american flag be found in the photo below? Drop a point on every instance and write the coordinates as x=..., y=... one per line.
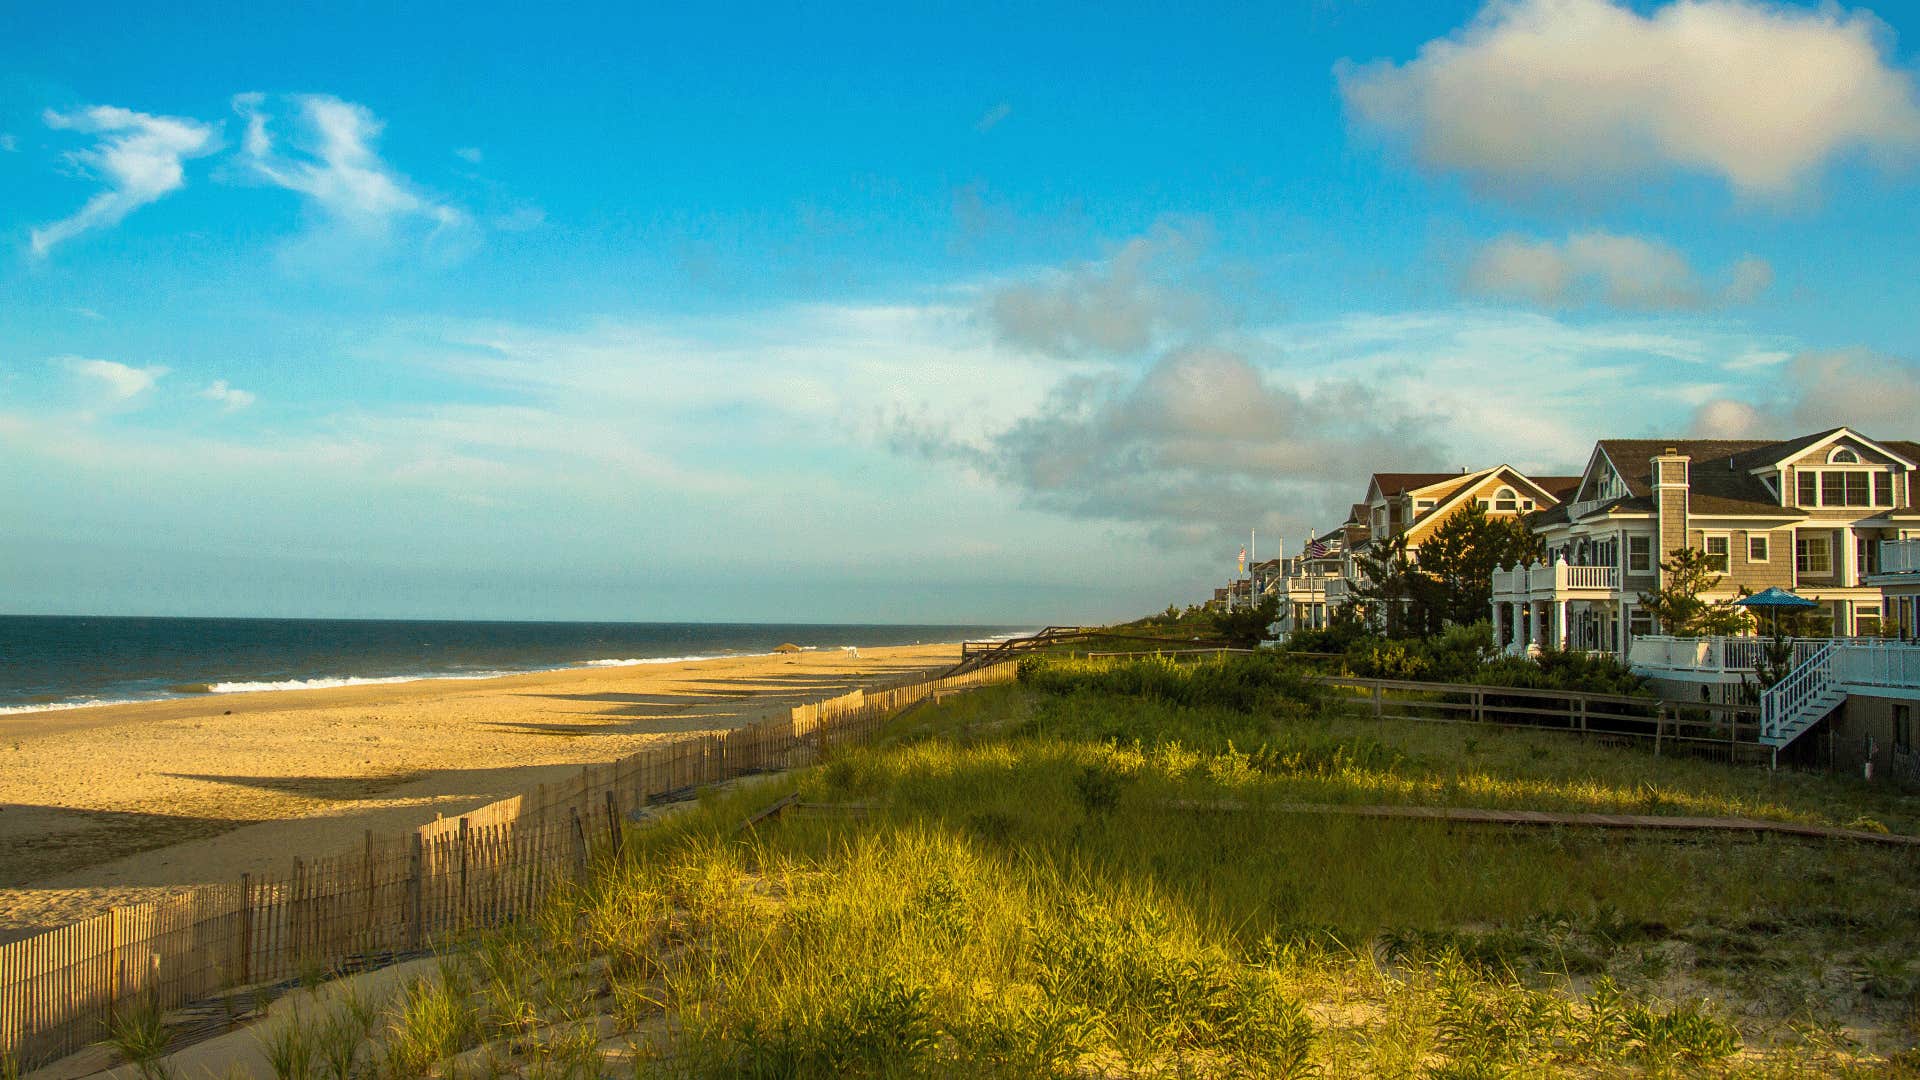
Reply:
x=1318, y=549
x=1243, y=556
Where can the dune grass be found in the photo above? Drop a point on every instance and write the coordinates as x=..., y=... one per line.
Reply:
x=1092, y=873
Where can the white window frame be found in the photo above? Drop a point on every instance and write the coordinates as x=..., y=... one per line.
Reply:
x=1826, y=551
x=1765, y=540
x=1726, y=567
x=1852, y=458
x=1645, y=567
x=1843, y=471
x=1506, y=494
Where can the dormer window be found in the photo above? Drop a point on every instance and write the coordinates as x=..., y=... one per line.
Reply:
x=1843, y=456
x=1505, y=500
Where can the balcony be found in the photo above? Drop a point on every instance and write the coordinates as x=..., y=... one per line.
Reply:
x=1899, y=557
x=1555, y=581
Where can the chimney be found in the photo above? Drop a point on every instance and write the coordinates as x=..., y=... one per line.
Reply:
x=1671, y=484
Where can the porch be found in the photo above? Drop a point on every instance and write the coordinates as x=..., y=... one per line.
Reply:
x=1559, y=605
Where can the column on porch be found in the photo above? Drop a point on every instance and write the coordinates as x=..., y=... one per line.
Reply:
x=1499, y=638
x=1620, y=631
x=1563, y=633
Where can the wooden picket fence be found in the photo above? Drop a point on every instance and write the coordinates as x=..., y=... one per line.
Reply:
x=396, y=896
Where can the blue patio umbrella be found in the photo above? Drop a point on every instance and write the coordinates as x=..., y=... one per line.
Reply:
x=1775, y=600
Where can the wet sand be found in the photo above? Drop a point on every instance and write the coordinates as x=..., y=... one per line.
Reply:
x=120, y=803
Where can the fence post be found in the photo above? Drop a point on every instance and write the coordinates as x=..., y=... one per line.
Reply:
x=246, y=934
x=298, y=911
x=416, y=934
x=579, y=841
x=1659, y=727
x=366, y=875
x=465, y=911
x=613, y=823
x=1376, y=700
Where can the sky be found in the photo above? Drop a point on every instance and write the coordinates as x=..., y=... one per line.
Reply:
x=897, y=313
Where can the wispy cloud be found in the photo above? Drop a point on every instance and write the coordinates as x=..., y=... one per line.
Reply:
x=138, y=157
x=339, y=169
x=118, y=383
x=230, y=399
x=1568, y=93
x=1597, y=267
x=469, y=154
x=992, y=117
x=9, y=142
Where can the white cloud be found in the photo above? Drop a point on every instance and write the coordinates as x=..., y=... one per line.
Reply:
x=230, y=399
x=139, y=157
x=341, y=172
x=1125, y=304
x=1598, y=267
x=1871, y=392
x=469, y=154
x=1571, y=92
x=119, y=382
x=9, y=142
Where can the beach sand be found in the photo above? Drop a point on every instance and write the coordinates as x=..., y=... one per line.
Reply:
x=122, y=803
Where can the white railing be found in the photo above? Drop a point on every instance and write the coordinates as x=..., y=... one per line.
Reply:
x=1791, y=705
x=1900, y=556
x=1726, y=655
x=1877, y=664
x=1543, y=581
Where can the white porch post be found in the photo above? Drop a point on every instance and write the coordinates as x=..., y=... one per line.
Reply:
x=1626, y=613
x=1499, y=639
x=1563, y=633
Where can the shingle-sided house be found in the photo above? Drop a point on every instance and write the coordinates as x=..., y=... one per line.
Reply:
x=1806, y=514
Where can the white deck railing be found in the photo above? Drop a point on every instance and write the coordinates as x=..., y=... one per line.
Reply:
x=1546, y=581
x=1728, y=655
x=1877, y=663
x=1900, y=556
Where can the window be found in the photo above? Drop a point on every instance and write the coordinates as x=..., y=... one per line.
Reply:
x=1842, y=455
x=1639, y=554
x=1506, y=500
x=1845, y=487
x=1639, y=623
x=1421, y=506
x=1809, y=488
x=1883, y=489
x=1757, y=547
x=1866, y=555
x=1903, y=727
x=1866, y=620
x=1812, y=555
x=1857, y=489
x=1833, y=489
x=1716, y=549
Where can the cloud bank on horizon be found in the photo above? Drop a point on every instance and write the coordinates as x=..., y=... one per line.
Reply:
x=462, y=373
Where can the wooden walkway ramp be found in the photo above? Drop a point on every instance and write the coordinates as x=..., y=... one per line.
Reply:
x=1475, y=816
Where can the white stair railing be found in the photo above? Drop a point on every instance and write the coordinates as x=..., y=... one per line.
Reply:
x=1790, y=706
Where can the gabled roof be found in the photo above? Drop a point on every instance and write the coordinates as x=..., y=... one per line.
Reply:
x=1560, y=487
x=1781, y=454
x=1718, y=484
x=1401, y=483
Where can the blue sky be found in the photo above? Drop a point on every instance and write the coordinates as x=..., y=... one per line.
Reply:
x=880, y=313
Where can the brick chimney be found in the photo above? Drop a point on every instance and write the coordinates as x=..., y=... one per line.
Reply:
x=1670, y=486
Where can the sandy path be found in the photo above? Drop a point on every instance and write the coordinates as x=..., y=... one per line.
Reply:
x=125, y=802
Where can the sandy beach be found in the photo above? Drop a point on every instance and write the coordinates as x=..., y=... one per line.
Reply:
x=120, y=803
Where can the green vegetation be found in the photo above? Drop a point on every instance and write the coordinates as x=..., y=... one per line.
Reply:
x=1460, y=654
x=1677, y=604
x=1098, y=871
x=1451, y=581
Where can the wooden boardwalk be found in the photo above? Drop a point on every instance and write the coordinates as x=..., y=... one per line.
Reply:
x=1655, y=822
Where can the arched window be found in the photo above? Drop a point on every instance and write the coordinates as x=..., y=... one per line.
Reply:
x=1843, y=456
x=1506, y=500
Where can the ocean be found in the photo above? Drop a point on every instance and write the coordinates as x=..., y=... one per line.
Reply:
x=63, y=662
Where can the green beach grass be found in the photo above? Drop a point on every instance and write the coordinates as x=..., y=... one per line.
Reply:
x=1091, y=873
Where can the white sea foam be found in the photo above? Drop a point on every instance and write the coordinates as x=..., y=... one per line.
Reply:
x=55, y=706
x=636, y=661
